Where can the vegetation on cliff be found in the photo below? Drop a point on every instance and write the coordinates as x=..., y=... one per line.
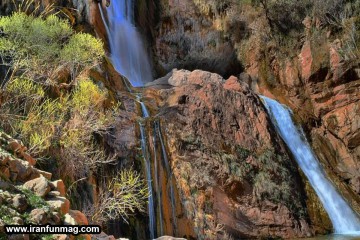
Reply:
x=50, y=102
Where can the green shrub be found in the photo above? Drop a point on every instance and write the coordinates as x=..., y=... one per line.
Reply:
x=82, y=51
x=87, y=96
x=39, y=48
x=25, y=88
x=55, y=122
x=32, y=44
x=39, y=126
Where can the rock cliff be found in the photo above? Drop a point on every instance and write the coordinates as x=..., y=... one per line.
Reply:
x=310, y=65
x=234, y=174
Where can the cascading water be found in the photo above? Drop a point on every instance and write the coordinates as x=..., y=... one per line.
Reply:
x=152, y=220
x=129, y=58
x=128, y=53
x=144, y=110
x=343, y=218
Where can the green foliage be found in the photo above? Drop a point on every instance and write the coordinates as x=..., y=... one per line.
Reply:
x=40, y=124
x=6, y=214
x=87, y=96
x=52, y=105
x=21, y=95
x=33, y=200
x=40, y=51
x=82, y=49
x=32, y=44
x=25, y=88
x=39, y=48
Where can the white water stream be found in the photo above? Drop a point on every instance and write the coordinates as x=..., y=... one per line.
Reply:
x=343, y=218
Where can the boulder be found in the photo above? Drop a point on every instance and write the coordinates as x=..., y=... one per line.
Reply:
x=59, y=203
x=59, y=186
x=19, y=170
x=39, y=216
x=47, y=175
x=17, y=221
x=69, y=220
x=54, y=194
x=56, y=218
x=39, y=185
x=16, y=146
x=79, y=217
x=220, y=139
x=28, y=158
x=6, y=185
x=19, y=203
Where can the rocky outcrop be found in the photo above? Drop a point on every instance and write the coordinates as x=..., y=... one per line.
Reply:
x=27, y=196
x=233, y=173
x=315, y=73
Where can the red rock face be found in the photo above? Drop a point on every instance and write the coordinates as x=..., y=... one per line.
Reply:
x=323, y=90
x=231, y=168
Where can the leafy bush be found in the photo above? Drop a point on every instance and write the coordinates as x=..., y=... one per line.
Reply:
x=32, y=45
x=25, y=88
x=39, y=48
x=82, y=51
x=87, y=96
x=21, y=95
x=33, y=200
x=39, y=126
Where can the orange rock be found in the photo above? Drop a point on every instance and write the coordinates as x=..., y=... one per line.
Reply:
x=59, y=186
x=233, y=84
x=306, y=59
x=28, y=158
x=79, y=217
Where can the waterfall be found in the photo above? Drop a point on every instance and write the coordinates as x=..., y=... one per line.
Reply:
x=128, y=53
x=144, y=110
x=149, y=180
x=343, y=218
x=130, y=59
x=146, y=158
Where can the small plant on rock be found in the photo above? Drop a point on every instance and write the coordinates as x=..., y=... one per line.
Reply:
x=123, y=196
